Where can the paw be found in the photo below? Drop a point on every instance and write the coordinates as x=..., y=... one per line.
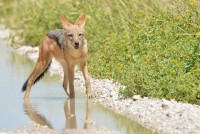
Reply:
x=90, y=95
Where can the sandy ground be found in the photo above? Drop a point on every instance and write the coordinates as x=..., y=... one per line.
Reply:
x=38, y=129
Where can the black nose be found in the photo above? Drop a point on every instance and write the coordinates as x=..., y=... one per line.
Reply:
x=76, y=44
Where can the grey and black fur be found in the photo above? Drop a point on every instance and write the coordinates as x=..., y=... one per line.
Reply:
x=58, y=36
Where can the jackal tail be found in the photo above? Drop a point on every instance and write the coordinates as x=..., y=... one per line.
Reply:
x=37, y=79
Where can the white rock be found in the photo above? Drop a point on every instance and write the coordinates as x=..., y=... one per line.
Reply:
x=136, y=97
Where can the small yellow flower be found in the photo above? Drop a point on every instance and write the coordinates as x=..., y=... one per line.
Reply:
x=112, y=34
x=190, y=53
x=198, y=34
x=154, y=45
x=196, y=70
x=119, y=66
x=174, y=60
x=142, y=31
x=173, y=72
x=125, y=36
x=178, y=18
x=101, y=46
x=193, y=2
x=148, y=61
x=140, y=13
x=116, y=43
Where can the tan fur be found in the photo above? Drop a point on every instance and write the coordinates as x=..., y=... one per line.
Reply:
x=68, y=57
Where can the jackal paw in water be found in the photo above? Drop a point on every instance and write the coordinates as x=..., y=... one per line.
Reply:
x=90, y=95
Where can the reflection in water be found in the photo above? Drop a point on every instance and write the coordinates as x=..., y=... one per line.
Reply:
x=88, y=115
x=121, y=122
x=70, y=114
x=36, y=117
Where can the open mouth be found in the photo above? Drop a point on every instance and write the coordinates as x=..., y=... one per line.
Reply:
x=76, y=47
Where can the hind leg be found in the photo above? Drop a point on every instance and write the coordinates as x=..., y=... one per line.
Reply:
x=39, y=69
x=44, y=59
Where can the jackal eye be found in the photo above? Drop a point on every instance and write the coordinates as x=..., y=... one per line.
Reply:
x=70, y=35
x=80, y=35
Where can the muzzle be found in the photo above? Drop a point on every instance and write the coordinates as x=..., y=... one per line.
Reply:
x=76, y=45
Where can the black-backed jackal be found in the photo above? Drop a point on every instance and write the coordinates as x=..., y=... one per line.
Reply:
x=69, y=47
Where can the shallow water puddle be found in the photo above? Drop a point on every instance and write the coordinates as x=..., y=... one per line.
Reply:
x=48, y=104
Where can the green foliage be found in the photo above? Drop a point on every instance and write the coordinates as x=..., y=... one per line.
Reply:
x=150, y=46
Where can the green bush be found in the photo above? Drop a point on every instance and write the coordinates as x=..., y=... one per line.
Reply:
x=150, y=46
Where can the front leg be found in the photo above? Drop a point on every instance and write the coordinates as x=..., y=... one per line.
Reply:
x=71, y=81
x=66, y=81
x=84, y=69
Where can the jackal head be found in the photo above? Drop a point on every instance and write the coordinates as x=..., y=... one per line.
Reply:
x=74, y=33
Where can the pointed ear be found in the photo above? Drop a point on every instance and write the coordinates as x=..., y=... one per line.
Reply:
x=64, y=21
x=81, y=21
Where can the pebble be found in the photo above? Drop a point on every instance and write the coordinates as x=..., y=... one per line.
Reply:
x=4, y=33
x=136, y=97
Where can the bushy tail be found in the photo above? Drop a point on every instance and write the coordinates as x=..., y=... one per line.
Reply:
x=25, y=85
x=38, y=78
